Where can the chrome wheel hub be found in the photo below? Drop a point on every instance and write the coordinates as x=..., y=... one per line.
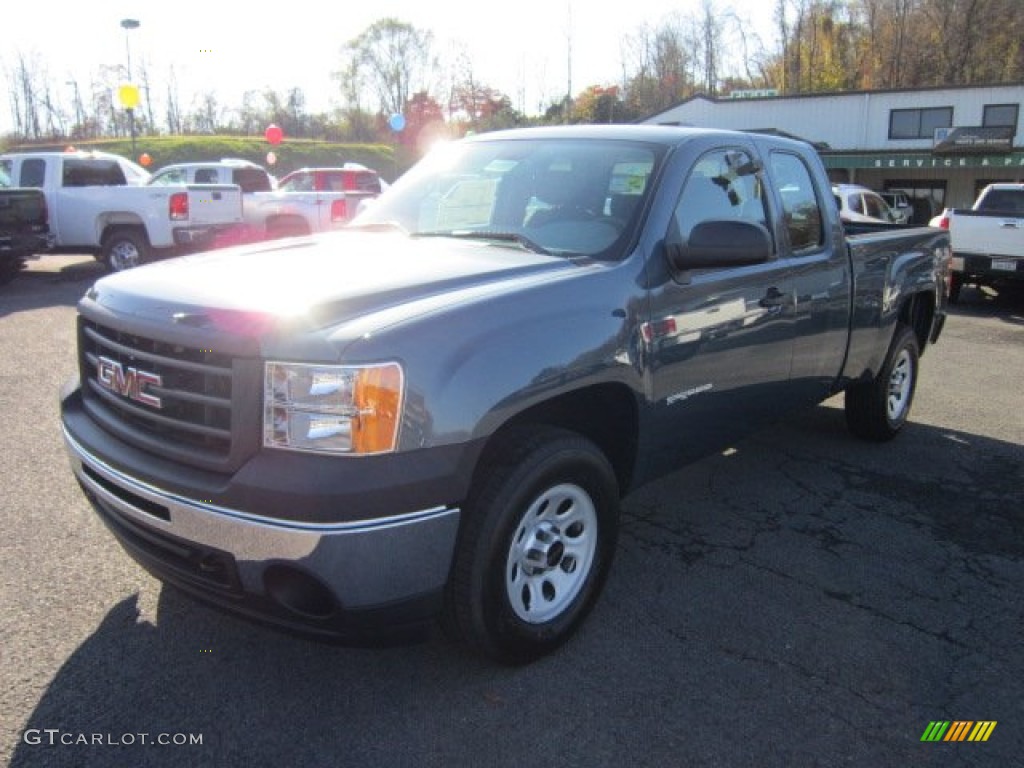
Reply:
x=900, y=381
x=551, y=553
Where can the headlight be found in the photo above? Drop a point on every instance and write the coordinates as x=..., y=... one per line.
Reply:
x=332, y=408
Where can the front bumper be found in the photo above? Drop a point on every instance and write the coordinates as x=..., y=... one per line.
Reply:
x=325, y=579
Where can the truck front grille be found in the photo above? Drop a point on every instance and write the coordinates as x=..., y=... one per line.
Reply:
x=172, y=399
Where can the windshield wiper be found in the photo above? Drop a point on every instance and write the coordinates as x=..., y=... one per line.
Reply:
x=490, y=234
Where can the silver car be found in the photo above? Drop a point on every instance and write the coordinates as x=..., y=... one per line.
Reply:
x=860, y=204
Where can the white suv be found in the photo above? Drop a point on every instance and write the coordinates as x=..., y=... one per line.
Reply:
x=860, y=204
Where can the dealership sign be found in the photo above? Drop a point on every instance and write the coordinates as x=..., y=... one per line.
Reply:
x=922, y=160
x=976, y=139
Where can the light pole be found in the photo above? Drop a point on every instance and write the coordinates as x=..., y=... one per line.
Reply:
x=129, y=93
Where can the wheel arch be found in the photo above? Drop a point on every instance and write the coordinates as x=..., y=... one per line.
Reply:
x=605, y=414
x=111, y=226
x=918, y=313
x=287, y=225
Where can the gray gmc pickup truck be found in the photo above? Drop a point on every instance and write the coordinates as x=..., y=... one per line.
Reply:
x=435, y=412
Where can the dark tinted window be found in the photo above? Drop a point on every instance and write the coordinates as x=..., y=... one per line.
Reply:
x=366, y=182
x=800, y=210
x=33, y=172
x=1001, y=115
x=875, y=207
x=207, y=176
x=918, y=123
x=92, y=172
x=1008, y=200
x=251, y=179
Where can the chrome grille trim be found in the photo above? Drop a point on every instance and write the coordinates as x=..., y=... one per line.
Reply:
x=196, y=392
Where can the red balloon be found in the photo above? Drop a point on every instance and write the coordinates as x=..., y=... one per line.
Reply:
x=273, y=134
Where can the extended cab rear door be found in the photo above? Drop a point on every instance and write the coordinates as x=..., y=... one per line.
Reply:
x=812, y=245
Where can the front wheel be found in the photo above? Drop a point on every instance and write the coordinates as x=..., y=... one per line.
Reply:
x=536, y=544
x=878, y=409
x=124, y=249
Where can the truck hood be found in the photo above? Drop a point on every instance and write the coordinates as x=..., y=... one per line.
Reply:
x=318, y=281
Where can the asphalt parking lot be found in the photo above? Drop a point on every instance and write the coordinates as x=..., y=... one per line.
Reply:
x=806, y=599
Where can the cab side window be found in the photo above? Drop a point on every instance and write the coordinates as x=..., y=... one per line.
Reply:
x=723, y=185
x=33, y=172
x=172, y=177
x=801, y=213
x=206, y=176
x=873, y=206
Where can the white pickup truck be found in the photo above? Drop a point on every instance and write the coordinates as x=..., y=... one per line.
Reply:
x=272, y=213
x=98, y=203
x=987, y=239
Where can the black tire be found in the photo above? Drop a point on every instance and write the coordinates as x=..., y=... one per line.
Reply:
x=878, y=409
x=535, y=546
x=10, y=268
x=124, y=248
x=956, y=282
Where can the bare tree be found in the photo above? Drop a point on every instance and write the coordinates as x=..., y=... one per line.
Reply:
x=175, y=124
x=390, y=58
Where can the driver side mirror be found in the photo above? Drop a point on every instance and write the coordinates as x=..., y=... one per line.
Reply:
x=719, y=243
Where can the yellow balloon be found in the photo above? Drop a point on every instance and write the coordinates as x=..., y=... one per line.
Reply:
x=128, y=95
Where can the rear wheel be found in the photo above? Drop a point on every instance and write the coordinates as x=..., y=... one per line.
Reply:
x=536, y=544
x=878, y=409
x=124, y=248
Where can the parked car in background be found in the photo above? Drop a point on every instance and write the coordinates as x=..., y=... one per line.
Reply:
x=350, y=177
x=98, y=204
x=304, y=202
x=987, y=239
x=900, y=206
x=859, y=204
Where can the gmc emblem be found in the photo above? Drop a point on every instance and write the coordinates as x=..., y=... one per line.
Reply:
x=128, y=382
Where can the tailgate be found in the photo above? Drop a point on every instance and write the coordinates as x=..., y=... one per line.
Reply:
x=989, y=234
x=20, y=209
x=214, y=203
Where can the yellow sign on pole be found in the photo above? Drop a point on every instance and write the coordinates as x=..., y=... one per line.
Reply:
x=128, y=95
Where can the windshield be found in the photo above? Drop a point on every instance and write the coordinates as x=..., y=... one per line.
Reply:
x=562, y=196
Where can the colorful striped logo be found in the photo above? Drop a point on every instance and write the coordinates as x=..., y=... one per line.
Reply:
x=958, y=730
